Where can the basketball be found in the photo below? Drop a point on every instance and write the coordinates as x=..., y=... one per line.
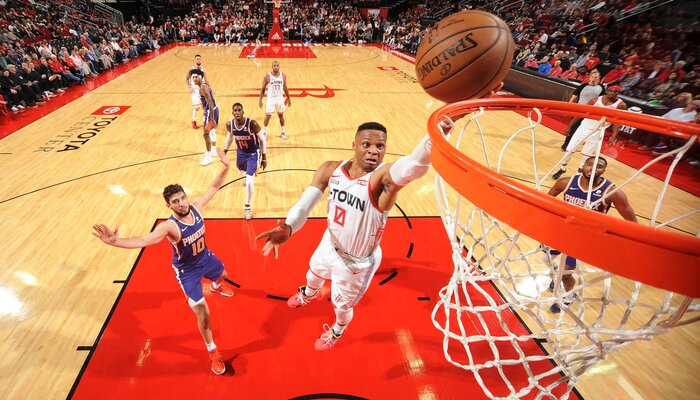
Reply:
x=464, y=56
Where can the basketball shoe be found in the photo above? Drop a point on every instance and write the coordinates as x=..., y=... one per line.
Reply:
x=224, y=289
x=327, y=339
x=284, y=136
x=207, y=159
x=558, y=174
x=194, y=125
x=248, y=213
x=217, y=364
x=300, y=299
x=567, y=302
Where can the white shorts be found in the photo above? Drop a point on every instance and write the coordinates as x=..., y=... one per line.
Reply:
x=591, y=141
x=196, y=98
x=275, y=105
x=350, y=279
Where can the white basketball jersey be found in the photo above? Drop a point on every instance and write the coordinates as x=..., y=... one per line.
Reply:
x=276, y=86
x=593, y=123
x=354, y=221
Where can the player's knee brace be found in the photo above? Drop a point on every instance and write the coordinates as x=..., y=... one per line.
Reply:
x=249, y=180
x=212, y=135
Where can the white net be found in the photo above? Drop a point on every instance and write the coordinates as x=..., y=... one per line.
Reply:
x=505, y=313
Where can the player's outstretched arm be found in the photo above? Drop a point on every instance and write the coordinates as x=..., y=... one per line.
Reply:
x=299, y=213
x=111, y=237
x=216, y=184
x=623, y=206
x=558, y=187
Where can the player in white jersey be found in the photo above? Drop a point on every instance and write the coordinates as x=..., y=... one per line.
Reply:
x=194, y=89
x=258, y=45
x=276, y=84
x=590, y=133
x=361, y=191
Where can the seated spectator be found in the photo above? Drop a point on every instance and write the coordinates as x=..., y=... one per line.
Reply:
x=593, y=61
x=616, y=75
x=667, y=89
x=633, y=77
x=531, y=63
x=544, y=66
x=683, y=114
x=677, y=68
x=571, y=73
x=556, y=70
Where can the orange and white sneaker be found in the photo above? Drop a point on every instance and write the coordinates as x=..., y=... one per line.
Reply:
x=327, y=339
x=217, y=364
x=300, y=299
x=224, y=289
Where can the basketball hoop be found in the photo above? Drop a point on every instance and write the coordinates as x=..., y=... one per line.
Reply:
x=633, y=281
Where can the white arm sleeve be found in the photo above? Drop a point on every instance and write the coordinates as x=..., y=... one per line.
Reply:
x=412, y=166
x=297, y=215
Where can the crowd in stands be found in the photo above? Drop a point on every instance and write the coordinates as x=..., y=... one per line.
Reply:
x=562, y=39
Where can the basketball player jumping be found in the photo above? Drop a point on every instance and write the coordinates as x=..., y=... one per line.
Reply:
x=586, y=132
x=249, y=140
x=362, y=190
x=211, y=115
x=192, y=260
x=276, y=84
x=194, y=89
x=576, y=191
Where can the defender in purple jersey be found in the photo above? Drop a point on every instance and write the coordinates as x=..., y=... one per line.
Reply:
x=192, y=260
x=590, y=190
x=249, y=143
x=211, y=114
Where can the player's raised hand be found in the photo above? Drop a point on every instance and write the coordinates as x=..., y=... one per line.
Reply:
x=223, y=157
x=105, y=234
x=275, y=237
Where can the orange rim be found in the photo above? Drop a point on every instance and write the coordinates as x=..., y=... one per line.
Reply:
x=663, y=259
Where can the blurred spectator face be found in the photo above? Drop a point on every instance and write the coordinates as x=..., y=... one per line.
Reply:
x=672, y=76
x=594, y=78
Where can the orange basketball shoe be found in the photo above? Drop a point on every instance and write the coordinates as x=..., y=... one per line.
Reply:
x=194, y=125
x=300, y=299
x=217, y=364
x=224, y=289
x=327, y=339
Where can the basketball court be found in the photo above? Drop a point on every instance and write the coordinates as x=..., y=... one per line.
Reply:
x=84, y=320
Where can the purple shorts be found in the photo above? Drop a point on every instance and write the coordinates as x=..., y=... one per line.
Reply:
x=190, y=278
x=247, y=162
x=207, y=115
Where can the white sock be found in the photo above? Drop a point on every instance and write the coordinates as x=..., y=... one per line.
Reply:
x=563, y=167
x=264, y=131
x=309, y=292
x=215, y=284
x=194, y=114
x=249, y=180
x=211, y=346
x=283, y=129
x=342, y=319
